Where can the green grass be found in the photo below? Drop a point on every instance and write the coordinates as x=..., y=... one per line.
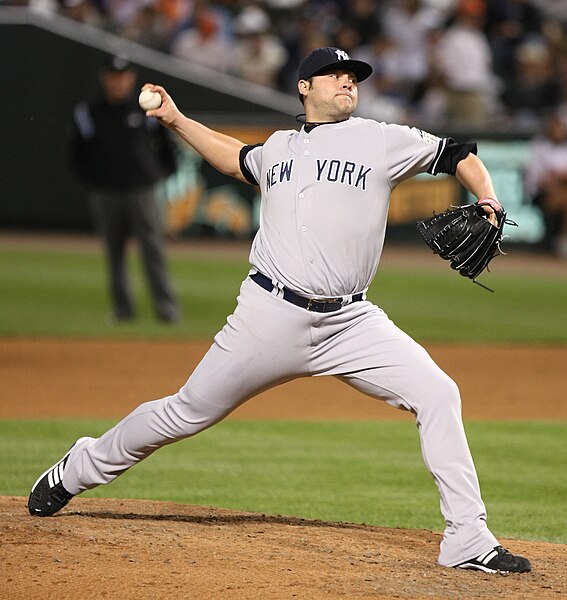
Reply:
x=53, y=293
x=356, y=472
x=442, y=306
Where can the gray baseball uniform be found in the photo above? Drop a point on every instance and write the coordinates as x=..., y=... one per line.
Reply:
x=325, y=195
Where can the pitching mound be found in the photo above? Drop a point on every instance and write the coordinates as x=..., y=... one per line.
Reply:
x=127, y=549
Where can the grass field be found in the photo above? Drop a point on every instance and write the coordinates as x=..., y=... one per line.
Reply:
x=357, y=472
x=53, y=293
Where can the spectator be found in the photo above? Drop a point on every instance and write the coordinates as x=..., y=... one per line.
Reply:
x=175, y=14
x=465, y=63
x=535, y=89
x=149, y=27
x=83, y=11
x=120, y=13
x=407, y=24
x=203, y=43
x=346, y=36
x=383, y=99
x=546, y=181
x=363, y=17
x=283, y=5
x=555, y=10
x=430, y=104
x=258, y=55
x=120, y=155
x=508, y=24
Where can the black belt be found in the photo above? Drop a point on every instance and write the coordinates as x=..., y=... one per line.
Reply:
x=315, y=304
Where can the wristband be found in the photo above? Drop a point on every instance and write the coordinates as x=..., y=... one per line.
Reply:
x=494, y=204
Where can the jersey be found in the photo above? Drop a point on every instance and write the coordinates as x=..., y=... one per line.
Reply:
x=325, y=198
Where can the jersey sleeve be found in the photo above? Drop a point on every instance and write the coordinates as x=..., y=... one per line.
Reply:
x=410, y=151
x=251, y=163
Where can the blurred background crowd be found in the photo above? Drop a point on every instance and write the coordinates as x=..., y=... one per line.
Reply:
x=445, y=63
x=493, y=69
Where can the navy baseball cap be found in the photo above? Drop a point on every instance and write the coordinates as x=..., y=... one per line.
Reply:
x=324, y=59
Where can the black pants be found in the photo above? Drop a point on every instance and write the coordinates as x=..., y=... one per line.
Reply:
x=117, y=216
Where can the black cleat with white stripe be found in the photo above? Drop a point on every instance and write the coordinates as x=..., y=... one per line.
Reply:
x=498, y=560
x=48, y=495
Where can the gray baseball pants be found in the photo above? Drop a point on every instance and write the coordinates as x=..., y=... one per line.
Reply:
x=268, y=341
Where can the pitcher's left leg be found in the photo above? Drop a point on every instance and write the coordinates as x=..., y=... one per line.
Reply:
x=386, y=363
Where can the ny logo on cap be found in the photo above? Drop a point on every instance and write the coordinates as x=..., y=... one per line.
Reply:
x=341, y=55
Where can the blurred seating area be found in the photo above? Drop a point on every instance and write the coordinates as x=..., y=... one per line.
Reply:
x=456, y=64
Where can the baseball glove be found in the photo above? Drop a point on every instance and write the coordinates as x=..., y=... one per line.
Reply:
x=464, y=236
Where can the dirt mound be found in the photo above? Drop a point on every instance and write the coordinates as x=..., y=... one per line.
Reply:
x=131, y=549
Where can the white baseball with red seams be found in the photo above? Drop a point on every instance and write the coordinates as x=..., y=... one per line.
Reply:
x=149, y=100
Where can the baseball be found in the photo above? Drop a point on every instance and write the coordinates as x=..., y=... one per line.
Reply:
x=149, y=100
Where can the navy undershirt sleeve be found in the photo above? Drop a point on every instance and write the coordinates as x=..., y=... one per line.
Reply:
x=245, y=170
x=450, y=154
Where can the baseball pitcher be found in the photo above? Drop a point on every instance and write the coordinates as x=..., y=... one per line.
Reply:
x=302, y=310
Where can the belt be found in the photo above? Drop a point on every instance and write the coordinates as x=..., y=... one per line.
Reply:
x=322, y=305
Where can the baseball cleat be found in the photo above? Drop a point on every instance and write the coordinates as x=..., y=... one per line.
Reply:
x=497, y=560
x=48, y=495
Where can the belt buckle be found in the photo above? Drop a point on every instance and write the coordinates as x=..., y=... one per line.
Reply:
x=310, y=301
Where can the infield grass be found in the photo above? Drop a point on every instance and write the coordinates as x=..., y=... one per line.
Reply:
x=360, y=472
x=55, y=293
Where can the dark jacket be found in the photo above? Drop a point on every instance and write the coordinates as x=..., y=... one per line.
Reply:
x=118, y=147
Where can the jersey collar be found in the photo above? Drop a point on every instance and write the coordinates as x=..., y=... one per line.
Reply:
x=309, y=127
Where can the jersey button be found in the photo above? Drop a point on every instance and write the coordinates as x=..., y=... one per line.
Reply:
x=304, y=228
x=306, y=153
x=302, y=195
x=306, y=141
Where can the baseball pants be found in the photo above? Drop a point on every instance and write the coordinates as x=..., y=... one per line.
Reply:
x=268, y=341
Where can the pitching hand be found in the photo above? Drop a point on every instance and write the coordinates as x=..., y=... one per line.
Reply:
x=167, y=113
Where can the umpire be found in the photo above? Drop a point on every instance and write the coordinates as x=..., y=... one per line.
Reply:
x=120, y=155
